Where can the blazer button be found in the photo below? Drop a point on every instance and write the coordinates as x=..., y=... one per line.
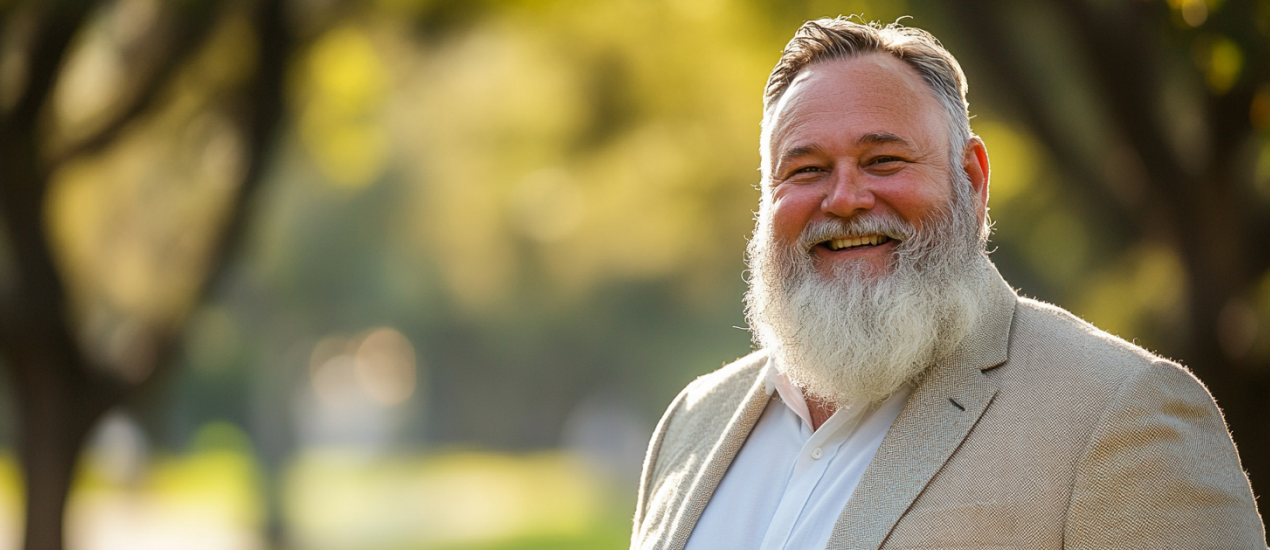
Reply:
x=817, y=453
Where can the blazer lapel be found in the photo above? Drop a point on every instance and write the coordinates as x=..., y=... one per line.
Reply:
x=937, y=418
x=720, y=455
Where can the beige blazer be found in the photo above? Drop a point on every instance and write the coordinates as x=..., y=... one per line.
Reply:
x=1040, y=431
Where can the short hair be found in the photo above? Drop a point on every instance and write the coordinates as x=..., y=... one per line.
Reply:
x=839, y=38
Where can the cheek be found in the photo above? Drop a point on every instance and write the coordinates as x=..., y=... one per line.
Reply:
x=917, y=200
x=791, y=210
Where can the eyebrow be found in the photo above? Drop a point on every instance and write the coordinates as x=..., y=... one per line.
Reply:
x=799, y=151
x=880, y=138
x=876, y=138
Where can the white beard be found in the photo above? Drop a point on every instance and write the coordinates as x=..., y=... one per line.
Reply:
x=857, y=336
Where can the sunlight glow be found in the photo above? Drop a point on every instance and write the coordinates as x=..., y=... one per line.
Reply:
x=339, y=501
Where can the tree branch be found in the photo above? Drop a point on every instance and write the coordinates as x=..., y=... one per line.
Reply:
x=267, y=105
x=192, y=28
x=61, y=21
x=37, y=311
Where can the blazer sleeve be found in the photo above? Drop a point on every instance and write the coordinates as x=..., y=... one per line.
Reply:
x=648, y=474
x=1160, y=471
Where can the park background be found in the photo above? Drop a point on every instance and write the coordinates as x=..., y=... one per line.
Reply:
x=416, y=274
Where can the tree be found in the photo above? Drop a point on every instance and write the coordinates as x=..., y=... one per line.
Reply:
x=64, y=385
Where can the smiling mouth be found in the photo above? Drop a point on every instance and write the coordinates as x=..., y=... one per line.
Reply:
x=859, y=241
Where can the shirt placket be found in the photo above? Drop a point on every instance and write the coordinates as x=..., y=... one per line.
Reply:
x=813, y=462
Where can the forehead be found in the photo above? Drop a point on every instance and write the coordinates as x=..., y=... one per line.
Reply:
x=849, y=98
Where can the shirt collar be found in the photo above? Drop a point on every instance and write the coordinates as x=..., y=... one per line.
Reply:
x=788, y=392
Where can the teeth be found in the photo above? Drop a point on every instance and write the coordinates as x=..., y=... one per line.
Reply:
x=849, y=242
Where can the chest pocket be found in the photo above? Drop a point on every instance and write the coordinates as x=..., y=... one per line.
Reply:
x=979, y=526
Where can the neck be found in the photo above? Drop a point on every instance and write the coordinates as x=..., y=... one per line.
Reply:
x=820, y=410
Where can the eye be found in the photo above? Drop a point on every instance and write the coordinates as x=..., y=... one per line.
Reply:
x=803, y=174
x=885, y=165
x=885, y=159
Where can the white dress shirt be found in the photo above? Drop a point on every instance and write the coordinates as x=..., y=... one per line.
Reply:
x=788, y=484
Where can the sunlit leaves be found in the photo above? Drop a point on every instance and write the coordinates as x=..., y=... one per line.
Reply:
x=869, y=10
x=133, y=227
x=1192, y=13
x=94, y=77
x=1140, y=294
x=131, y=237
x=1220, y=60
x=1058, y=247
x=548, y=205
x=341, y=93
x=596, y=138
x=1013, y=160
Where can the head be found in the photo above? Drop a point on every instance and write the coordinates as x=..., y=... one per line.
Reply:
x=836, y=39
x=868, y=252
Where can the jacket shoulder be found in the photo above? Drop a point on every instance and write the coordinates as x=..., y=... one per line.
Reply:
x=1157, y=460
x=692, y=424
x=723, y=386
x=702, y=410
x=1077, y=350
x=1130, y=448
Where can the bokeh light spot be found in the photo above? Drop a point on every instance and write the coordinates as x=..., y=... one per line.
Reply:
x=385, y=366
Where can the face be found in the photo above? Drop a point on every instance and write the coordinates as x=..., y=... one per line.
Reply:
x=855, y=139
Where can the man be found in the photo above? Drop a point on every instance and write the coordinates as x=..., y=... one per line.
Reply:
x=904, y=396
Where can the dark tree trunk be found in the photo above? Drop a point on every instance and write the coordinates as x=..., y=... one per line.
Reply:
x=58, y=396
x=55, y=404
x=53, y=429
x=61, y=392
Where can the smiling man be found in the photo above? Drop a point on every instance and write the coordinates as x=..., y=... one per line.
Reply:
x=904, y=396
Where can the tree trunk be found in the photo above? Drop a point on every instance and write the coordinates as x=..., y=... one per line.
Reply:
x=55, y=422
x=59, y=397
x=61, y=393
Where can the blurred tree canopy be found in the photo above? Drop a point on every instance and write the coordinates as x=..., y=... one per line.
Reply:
x=549, y=199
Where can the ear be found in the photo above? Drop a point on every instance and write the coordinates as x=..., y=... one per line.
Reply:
x=975, y=162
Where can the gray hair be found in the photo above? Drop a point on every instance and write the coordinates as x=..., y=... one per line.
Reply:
x=838, y=38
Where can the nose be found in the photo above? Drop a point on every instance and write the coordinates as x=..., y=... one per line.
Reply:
x=847, y=196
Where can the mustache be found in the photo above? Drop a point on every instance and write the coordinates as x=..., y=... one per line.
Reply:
x=820, y=231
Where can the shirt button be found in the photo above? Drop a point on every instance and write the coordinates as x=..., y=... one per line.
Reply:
x=817, y=453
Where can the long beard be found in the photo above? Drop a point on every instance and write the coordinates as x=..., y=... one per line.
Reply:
x=858, y=335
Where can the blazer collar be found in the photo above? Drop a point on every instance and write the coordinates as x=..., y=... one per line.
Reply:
x=937, y=418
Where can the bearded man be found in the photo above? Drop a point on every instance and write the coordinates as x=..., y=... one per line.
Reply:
x=904, y=396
